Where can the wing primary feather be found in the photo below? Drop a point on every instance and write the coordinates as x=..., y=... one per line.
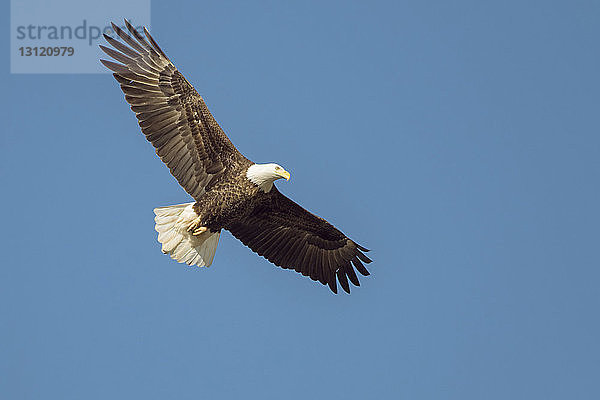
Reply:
x=128, y=39
x=116, y=55
x=361, y=248
x=120, y=46
x=351, y=274
x=113, y=66
x=331, y=282
x=363, y=257
x=123, y=81
x=360, y=267
x=156, y=46
x=343, y=280
x=140, y=38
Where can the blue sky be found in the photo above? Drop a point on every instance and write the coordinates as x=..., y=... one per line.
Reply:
x=459, y=141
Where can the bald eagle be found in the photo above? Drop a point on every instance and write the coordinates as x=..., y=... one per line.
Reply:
x=230, y=191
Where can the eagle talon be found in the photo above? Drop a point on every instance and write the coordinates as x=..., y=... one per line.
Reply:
x=195, y=227
x=200, y=231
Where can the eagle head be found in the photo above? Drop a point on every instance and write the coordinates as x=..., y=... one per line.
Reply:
x=263, y=175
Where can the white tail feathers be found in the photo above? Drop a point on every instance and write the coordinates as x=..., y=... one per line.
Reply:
x=172, y=223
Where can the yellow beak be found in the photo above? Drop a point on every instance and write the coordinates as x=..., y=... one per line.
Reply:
x=284, y=174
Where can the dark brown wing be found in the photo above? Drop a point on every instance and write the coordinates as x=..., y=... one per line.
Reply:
x=171, y=113
x=293, y=238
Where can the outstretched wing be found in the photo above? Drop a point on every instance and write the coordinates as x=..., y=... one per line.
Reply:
x=293, y=238
x=170, y=112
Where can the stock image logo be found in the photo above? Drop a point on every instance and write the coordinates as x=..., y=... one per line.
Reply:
x=63, y=37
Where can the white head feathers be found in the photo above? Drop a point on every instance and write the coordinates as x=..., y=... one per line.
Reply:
x=263, y=175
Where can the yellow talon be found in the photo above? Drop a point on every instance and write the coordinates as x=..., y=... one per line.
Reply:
x=194, y=224
x=200, y=231
x=195, y=228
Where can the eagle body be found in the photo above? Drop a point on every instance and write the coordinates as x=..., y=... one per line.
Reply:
x=230, y=199
x=231, y=192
